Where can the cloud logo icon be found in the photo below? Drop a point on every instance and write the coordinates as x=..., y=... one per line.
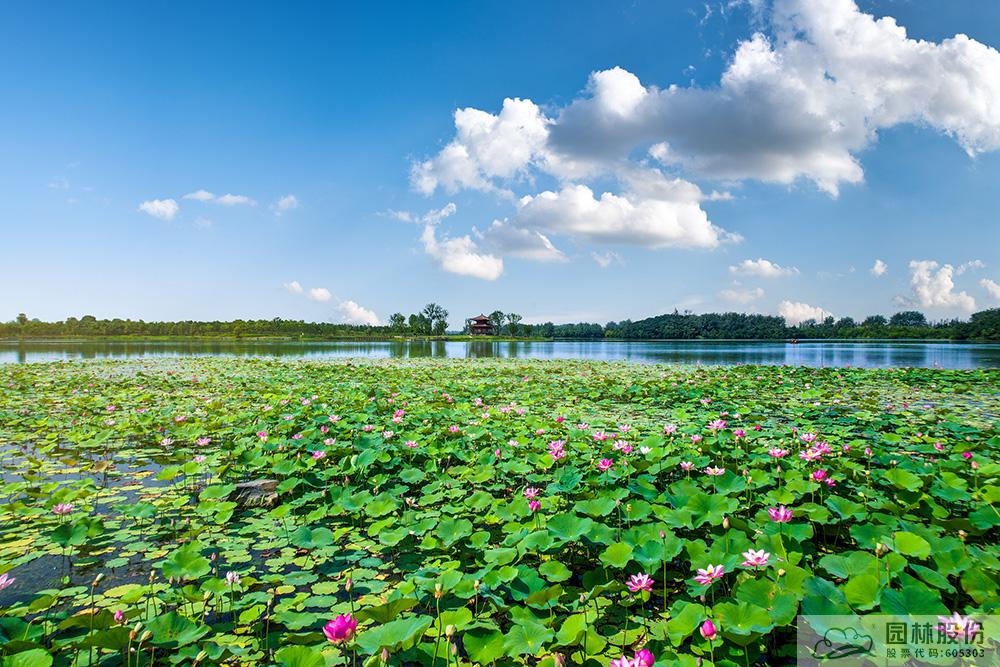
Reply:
x=841, y=643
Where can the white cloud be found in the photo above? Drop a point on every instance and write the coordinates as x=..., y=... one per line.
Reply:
x=293, y=287
x=508, y=240
x=991, y=287
x=933, y=286
x=762, y=268
x=352, y=313
x=164, y=209
x=285, y=204
x=606, y=259
x=878, y=268
x=796, y=312
x=742, y=296
x=200, y=195
x=235, y=200
x=800, y=102
x=485, y=146
x=970, y=266
x=320, y=294
x=460, y=255
x=634, y=218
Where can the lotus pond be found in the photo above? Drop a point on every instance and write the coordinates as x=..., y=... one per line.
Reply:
x=431, y=512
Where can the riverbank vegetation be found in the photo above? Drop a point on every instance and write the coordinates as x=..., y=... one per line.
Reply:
x=431, y=322
x=221, y=511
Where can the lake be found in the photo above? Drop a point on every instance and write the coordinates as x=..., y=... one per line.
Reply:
x=867, y=354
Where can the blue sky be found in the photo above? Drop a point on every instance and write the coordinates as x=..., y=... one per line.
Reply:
x=616, y=195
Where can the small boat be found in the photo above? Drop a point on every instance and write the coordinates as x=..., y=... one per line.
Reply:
x=794, y=341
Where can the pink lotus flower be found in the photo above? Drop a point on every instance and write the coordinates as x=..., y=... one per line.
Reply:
x=686, y=465
x=717, y=424
x=709, y=574
x=777, y=452
x=199, y=459
x=819, y=475
x=779, y=514
x=560, y=419
x=297, y=436
x=600, y=436
x=534, y=505
x=966, y=455
x=753, y=558
x=318, y=454
x=623, y=662
x=367, y=428
x=556, y=449
x=807, y=437
x=605, y=464
x=644, y=658
x=334, y=418
x=411, y=444
x=707, y=630
x=583, y=426
x=201, y=442
x=669, y=429
x=340, y=629
x=938, y=446
x=739, y=433
x=695, y=438
x=531, y=492
x=809, y=455
x=640, y=582
x=454, y=429
x=119, y=616
x=262, y=435
x=6, y=580
x=62, y=508
x=714, y=472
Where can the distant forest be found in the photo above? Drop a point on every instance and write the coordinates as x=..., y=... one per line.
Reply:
x=432, y=321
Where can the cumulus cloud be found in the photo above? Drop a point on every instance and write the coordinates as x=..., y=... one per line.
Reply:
x=799, y=100
x=508, y=240
x=742, y=296
x=320, y=294
x=991, y=287
x=654, y=212
x=293, y=287
x=164, y=209
x=352, y=313
x=285, y=204
x=460, y=255
x=200, y=195
x=933, y=286
x=796, y=312
x=762, y=268
x=235, y=200
x=878, y=268
x=970, y=266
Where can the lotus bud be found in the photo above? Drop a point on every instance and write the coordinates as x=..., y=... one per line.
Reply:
x=879, y=549
x=781, y=572
x=962, y=535
x=98, y=579
x=475, y=585
x=349, y=585
x=725, y=522
x=385, y=656
x=146, y=636
x=437, y=591
x=201, y=656
x=583, y=598
x=663, y=535
x=559, y=659
x=454, y=648
x=449, y=630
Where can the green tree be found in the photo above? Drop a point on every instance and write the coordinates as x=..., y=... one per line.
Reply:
x=397, y=322
x=908, y=318
x=513, y=322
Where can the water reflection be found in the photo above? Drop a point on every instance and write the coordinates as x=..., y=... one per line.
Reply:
x=871, y=354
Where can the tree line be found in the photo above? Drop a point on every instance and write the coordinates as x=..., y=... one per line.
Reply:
x=432, y=320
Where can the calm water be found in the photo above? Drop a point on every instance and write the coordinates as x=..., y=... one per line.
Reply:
x=871, y=354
